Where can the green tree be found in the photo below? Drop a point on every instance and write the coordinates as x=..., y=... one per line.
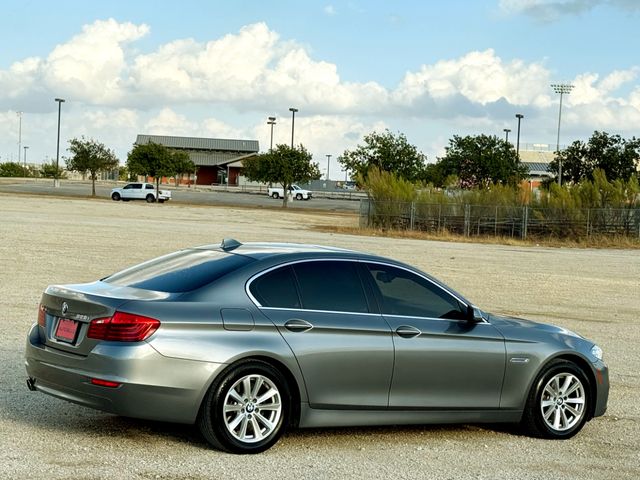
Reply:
x=284, y=166
x=12, y=169
x=90, y=157
x=153, y=160
x=479, y=161
x=387, y=152
x=182, y=164
x=49, y=170
x=617, y=157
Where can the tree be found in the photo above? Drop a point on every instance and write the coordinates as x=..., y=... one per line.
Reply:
x=182, y=164
x=153, y=160
x=49, y=170
x=92, y=157
x=617, y=157
x=283, y=165
x=479, y=161
x=387, y=152
x=12, y=169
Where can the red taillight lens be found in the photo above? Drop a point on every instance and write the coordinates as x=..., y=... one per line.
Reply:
x=122, y=327
x=41, y=315
x=105, y=383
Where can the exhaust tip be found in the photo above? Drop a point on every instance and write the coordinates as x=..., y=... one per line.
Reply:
x=31, y=384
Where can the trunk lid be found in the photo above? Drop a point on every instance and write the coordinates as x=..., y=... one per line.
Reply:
x=69, y=309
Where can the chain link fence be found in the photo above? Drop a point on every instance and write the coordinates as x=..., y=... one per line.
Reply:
x=498, y=220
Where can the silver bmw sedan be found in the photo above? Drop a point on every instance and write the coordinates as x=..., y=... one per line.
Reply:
x=247, y=340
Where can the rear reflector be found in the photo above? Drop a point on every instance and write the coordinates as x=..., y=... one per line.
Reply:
x=41, y=315
x=122, y=327
x=105, y=383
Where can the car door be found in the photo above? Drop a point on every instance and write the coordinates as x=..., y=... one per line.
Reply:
x=442, y=360
x=344, y=350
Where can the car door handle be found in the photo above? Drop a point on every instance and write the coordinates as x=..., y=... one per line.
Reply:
x=407, y=331
x=297, y=325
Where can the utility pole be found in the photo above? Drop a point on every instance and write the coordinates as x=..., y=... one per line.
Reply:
x=293, y=122
x=328, y=159
x=519, y=116
x=19, y=134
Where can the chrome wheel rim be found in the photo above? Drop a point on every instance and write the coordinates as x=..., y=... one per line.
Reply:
x=563, y=402
x=252, y=409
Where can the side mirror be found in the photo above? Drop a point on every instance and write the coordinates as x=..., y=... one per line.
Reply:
x=474, y=314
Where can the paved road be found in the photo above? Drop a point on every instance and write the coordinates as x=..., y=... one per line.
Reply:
x=181, y=195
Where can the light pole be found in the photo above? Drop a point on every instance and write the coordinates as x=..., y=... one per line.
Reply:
x=506, y=131
x=519, y=116
x=55, y=177
x=328, y=159
x=25, y=160
x=560, y=88
x=19, y=134
x=293, y=122
x=272, y=122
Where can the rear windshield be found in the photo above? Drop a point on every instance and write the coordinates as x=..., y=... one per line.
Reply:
x=179, y=272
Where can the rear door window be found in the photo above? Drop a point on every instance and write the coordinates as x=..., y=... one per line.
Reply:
x=331, y=286
x=276, y=289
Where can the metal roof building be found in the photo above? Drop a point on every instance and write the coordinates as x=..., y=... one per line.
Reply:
x=218, y=160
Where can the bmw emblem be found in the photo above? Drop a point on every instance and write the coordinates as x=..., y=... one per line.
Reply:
x=65, y=308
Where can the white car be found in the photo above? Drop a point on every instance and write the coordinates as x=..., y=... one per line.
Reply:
x=140, y=191
x=297, y=193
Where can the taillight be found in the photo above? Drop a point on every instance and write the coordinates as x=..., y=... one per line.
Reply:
x=41, y=315
x=123, y=327
x=105, y=383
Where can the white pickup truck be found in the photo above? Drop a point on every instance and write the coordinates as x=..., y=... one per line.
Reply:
x=297, y=193
x=140, y=191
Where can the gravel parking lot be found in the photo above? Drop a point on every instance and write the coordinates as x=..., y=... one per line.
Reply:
x=46, y=240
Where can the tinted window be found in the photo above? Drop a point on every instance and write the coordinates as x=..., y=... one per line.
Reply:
x=180, y=271
x=149, y=186
x=276, y=289
x=404, y=293
x=330, y=285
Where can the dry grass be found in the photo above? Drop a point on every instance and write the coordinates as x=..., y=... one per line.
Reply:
x=594, y=241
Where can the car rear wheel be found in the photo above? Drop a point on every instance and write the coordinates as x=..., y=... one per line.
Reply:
x=298, y=196
x=559, y=402
x=150, y=198
x=247, y=410
x=115, y=196
x=275, y=195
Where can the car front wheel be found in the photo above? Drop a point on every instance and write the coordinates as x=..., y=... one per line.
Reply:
x=115, y=196
x=298, y=196
x=247, y=410
x=557, y=407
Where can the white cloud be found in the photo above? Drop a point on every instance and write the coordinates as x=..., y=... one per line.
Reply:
x=548, y=10
x=329, y=10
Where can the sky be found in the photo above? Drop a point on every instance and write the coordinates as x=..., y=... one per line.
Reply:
x=427, y=69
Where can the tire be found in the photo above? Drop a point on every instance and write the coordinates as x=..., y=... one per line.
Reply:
x=298, y=196
x=559, y=402
x=150, y=198
x=275, y=195
x=115, y=196
x=230, y=423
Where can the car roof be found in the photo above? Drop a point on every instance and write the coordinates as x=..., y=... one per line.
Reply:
x=262, y=250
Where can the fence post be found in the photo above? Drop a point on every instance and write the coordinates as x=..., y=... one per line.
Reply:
x=588, y=220
x=412, y=215
x=440, y=216
x=495, y=223
x=467, y=220
x=525, y=221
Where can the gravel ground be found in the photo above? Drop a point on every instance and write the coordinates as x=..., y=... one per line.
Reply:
x=51, y=240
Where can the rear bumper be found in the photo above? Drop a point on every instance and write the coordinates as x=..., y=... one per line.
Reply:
x=152, y=386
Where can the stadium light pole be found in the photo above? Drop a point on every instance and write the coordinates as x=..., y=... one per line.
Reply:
x=272, y=122
x=328, y=160
x=519, y=116
x=55, y=177
x=19, y=134
x=561, y=88
x=506, y=131
x=25, y=160
x=293, y=122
